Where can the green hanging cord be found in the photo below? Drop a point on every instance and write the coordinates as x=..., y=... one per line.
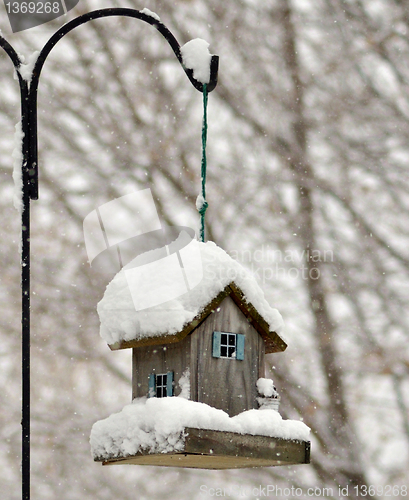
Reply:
x=202, y=204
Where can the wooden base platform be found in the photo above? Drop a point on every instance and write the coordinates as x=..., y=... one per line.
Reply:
x=205, y=449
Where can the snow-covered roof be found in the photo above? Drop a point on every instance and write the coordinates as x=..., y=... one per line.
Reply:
x=159, y=296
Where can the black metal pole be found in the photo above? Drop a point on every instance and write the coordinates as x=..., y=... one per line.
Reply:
x=25, y=323
x=28, y=92
x=25, y=272
x=25, y=286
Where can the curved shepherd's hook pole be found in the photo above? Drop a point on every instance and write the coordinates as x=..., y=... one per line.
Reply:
x=28, y=92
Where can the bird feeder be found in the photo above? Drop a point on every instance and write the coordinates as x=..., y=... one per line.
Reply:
x=200, y=399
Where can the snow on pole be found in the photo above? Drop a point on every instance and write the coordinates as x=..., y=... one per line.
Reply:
x=26, y=69
x=151, y=14
x=17, y=156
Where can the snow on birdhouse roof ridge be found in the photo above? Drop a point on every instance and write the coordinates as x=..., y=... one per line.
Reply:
x=121, y=321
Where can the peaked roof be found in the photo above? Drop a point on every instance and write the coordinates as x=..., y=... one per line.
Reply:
x=273, y=342
x=138, y=307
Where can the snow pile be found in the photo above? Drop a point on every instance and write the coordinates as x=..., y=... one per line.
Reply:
x=196, y=56
x=184, y=384
x=26, y=69
x=157, y=425
x=200, y=202
x=265, y=387
x=120, y=321
x=149, y=13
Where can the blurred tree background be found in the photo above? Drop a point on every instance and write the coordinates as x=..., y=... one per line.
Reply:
x=308, y=181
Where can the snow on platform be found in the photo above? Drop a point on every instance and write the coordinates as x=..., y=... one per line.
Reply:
x=158, y=426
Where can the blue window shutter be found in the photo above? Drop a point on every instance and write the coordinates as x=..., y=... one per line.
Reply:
x=216, y=344
x=152, y=386
x=169, y=384
x=239, y=346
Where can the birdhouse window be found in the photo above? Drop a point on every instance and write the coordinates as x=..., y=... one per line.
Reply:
x=228, y=345
x=160, y=385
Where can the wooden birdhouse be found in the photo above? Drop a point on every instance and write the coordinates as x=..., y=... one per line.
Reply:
x=223, y=348
x=199, y=360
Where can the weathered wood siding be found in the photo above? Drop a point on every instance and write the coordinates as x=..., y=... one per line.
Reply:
x=159, y=359
x=228, y=384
